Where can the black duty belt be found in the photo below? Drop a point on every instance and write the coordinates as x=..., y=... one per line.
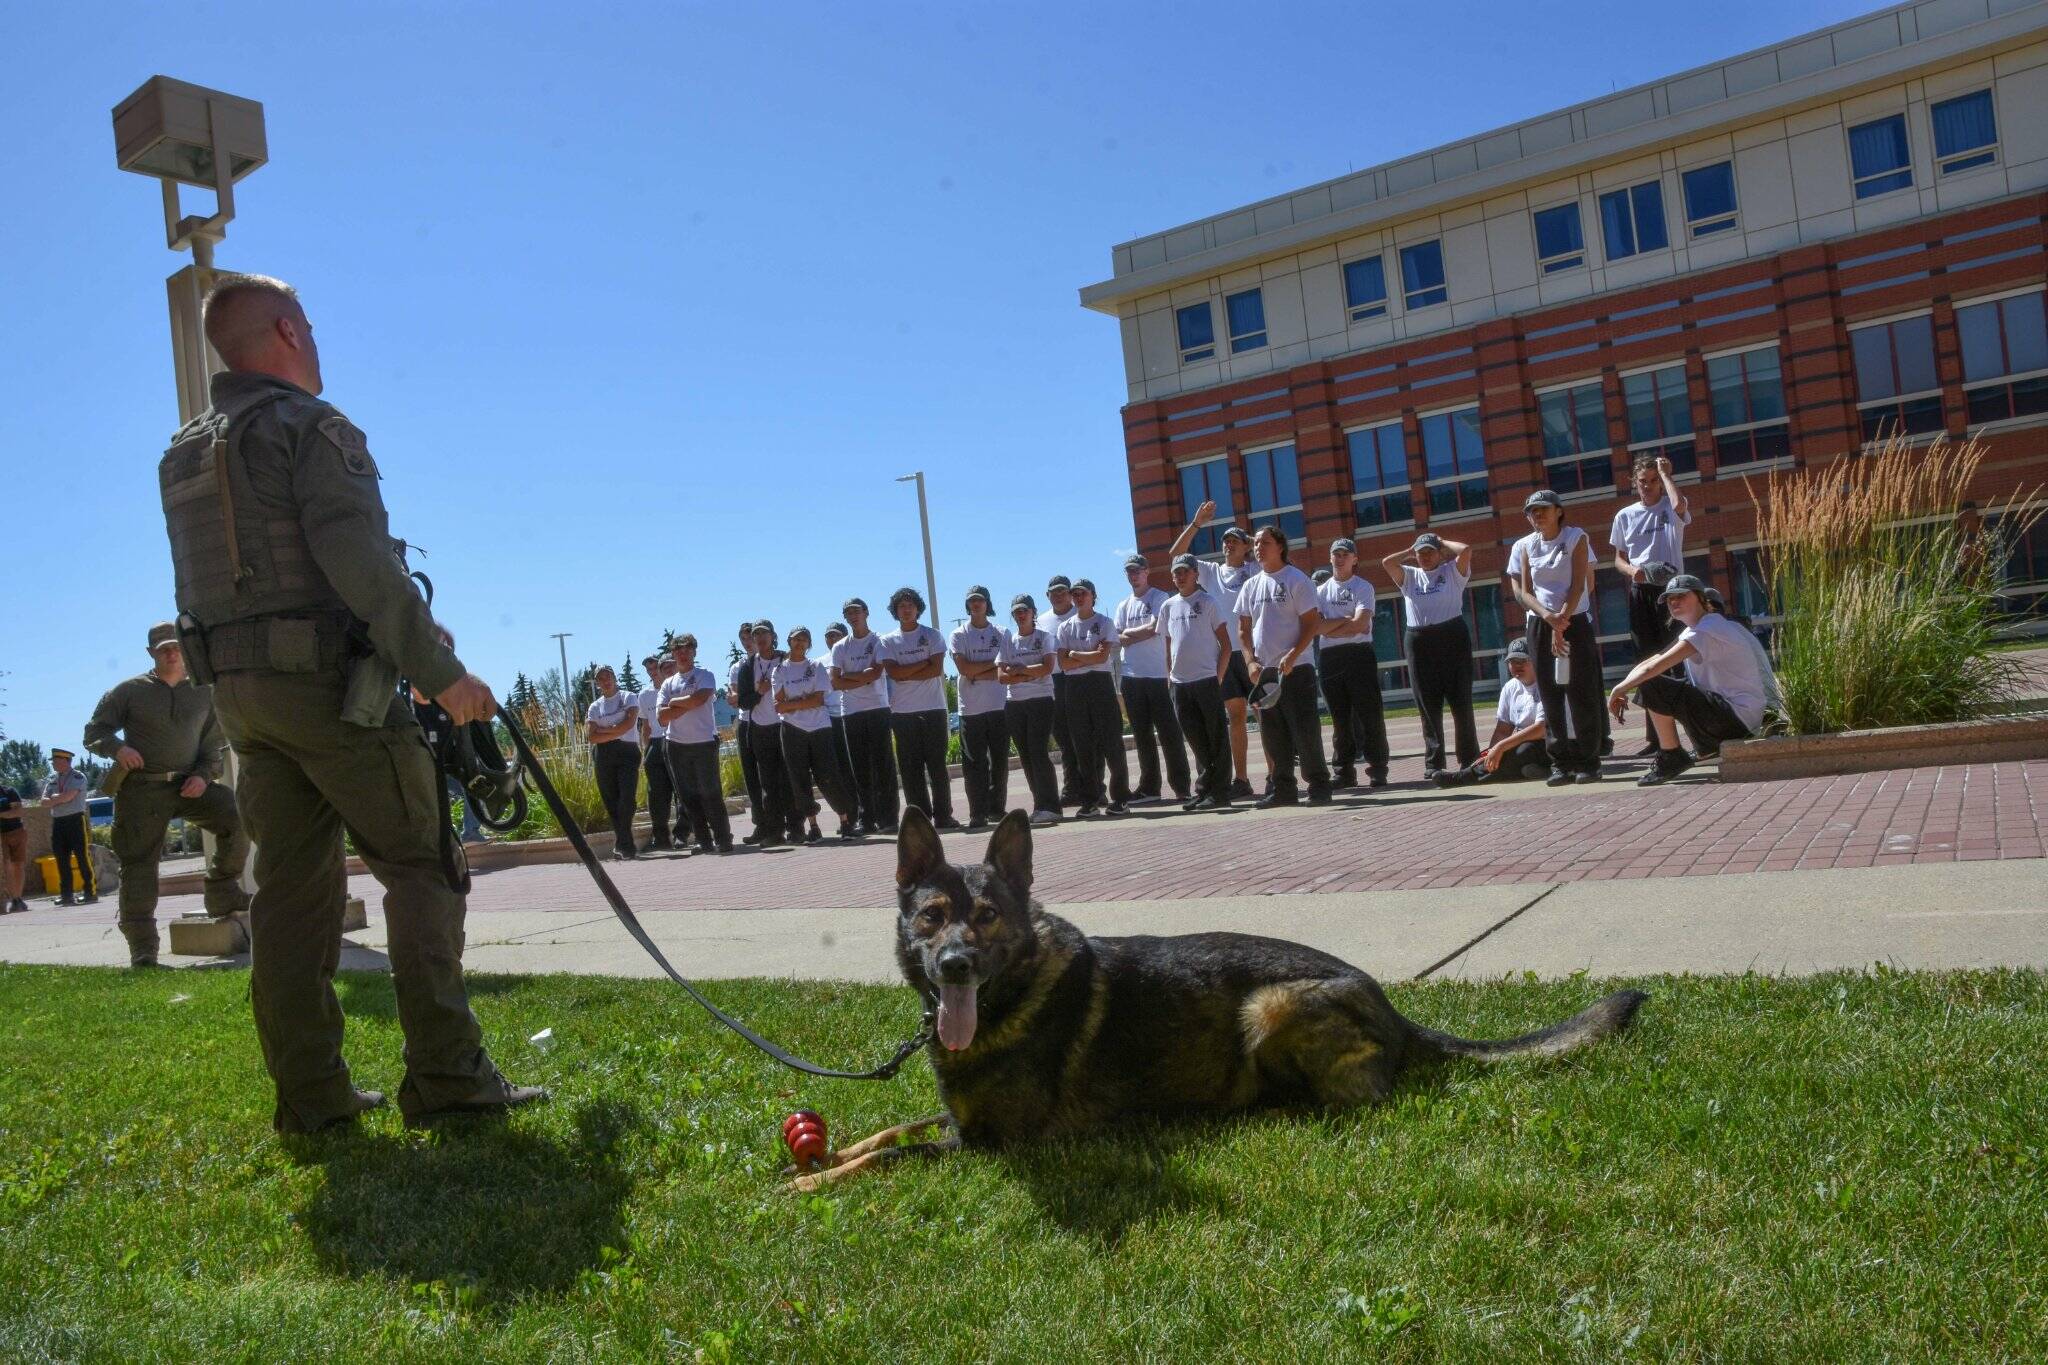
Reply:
x=241, y=646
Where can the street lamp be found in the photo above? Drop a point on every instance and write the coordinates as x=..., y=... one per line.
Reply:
x=568, y=702
x=924, y=525
x=182, y=134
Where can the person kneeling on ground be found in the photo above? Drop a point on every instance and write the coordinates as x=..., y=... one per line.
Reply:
x=1516, y=749
x=1730, y=685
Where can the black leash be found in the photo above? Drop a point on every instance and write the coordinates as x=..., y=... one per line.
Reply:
x=632, y=922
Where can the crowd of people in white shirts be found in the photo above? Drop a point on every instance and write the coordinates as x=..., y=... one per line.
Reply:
x=859, y=722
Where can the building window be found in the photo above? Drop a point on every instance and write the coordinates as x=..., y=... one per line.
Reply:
x=1560, y=245
x=1207, y=481
x=1489, y=629
x=1379, y=476
x=1610, y=611
x=1247, y=314
x=1965, y=133
x=2005, y=357
x=1365, y=288
x=1577, y=455
x=1895, y=383
x=1709, y=198
x=1422, y=274
x=1273, y=491
x=2021, y=572
x=1879, y=159
x=1752, y=589
x=1197, y=333
x=1454, y=462
x=1632, y=220
x=1387, y=636
x=1748, y=398
x=1660, y=416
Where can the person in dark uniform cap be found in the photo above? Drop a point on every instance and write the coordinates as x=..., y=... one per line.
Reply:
x=914, y=657
x=64, y=794
x=1086, y=642
x=1148, y=700
x=612, y=725
x=166, y=745
x=1348, y=665
x=1516, y=751
x=781, y=820
x=977, y=647
x=863, y=691
x=294, y=603
x=1222, y=582
x=1059, y=602
x=1431, y=576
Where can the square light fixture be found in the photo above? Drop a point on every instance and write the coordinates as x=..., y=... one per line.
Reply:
x=169, y=129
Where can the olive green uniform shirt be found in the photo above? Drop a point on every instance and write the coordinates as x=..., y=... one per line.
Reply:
x=173, y=728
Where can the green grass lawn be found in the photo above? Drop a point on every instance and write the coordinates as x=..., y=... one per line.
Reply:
x=1847, y=1167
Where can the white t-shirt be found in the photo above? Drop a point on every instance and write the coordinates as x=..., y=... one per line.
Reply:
x=1435, y=597
x=609, y=711
x=914, y=646
x=1077, y=633
x=1029, y=651
x=1650, y=534
x=1276, y=602
x=857, y=654
x=764, y=712
x=1519, y=706
x=1338, y=600
x=644, y=703
x=1550, y=567
x=835, y=700
x=1050, y=622
x=803, y=680
x=1730, y=664
x=1147, y=658
x=1223, y=583
x=1189, y=623
x=981, y=645
x=698, y=724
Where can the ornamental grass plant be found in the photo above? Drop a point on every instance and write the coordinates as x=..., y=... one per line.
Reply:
x=1887, y=614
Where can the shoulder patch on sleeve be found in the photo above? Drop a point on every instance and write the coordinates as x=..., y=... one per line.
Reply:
x=353, y=445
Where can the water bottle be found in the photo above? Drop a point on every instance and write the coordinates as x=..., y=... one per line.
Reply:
x=1561, y=669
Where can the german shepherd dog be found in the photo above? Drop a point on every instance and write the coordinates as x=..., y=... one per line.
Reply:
x=1044, y=1031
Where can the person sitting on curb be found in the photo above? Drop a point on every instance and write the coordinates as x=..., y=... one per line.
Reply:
x=1730, y=683
x=1516, y=750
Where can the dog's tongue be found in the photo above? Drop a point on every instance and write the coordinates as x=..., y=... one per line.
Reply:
x=956, y=1016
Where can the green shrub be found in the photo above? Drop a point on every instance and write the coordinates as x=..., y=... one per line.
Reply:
x=732, y=778
x=1883, y=619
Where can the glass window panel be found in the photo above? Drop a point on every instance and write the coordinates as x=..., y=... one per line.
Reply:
x=1386, y=630
x=1673, y=405
x=1983, y=355
x=1558, y=236
x=1879, y=156
x=1365, y=283
x=1471, y=449
x=1197, y=332
x=1639, y=397
x=1872, y=348
x=1766, y=394
x=1648, y=201
x=1616, y=227
x=1486, y=616
x=1422, y=273
x=1438, y=456
x=1553, y=409
x=1963, y=125
x=1913, y=350
x=1247, y=312
x=1591, y=413
x=1724, y=388
x=1709, y=193
x=2026, y=333
x=1286, y=485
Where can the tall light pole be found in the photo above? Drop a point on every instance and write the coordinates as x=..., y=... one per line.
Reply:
x=924, y=526
x=568, y=702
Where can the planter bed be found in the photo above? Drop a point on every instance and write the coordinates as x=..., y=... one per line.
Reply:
x=2002, y=739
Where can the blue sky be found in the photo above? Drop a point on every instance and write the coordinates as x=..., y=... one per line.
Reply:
x=644, y=307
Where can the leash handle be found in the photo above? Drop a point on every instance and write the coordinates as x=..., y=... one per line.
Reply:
x=617, y=901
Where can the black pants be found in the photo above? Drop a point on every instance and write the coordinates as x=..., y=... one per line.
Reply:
x=985, y=764
x=1440, y=671
x=69, y=842
x=873, y=766
x=1291, y=732
x=778, y=817
x=1149, y=704
x=1063, y=731
x=750, y=771
x=661, y=795
x=921, y=758
x=1030, y=723
x=618, y=785
x=1524, y=755
x=1706, y=716
x=1199, y=707
x=1358, y=718
x=693, y=769
x=812, y=756
x=1571, y=711
x=1651, y=627
x=1098, y=729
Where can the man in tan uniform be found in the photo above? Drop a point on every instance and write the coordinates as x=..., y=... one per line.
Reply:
x=159, y=729
x=294, y=603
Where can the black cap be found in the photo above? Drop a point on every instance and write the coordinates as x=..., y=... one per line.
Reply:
x=851, y=603
x=1518, y=648
x=764, y=624
x=1022, y=601
x=1428, y=540
x=1685, y=582
x=1084, y=585
x=1057, y=582
x=1185, y=561
x=1344, y=543
x=839, y=626
x=1135, y=561
x=1236, y=533
x=978, y=591
x=746, y=627
x=1542, y=497
x=1321, y=575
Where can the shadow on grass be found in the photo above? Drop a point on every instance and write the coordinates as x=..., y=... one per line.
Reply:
x=363, y=985
x=486, y=1205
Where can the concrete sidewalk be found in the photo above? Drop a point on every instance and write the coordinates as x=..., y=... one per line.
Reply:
x=1923, y=916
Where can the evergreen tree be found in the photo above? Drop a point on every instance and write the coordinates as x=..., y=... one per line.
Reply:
x=628, y=679
x=584, y=690
x=524, y=697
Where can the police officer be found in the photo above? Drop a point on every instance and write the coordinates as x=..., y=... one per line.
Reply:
x=295, y=605
x=1516, y=751
x=1197, y=634
x=1349, y=666
x=977, y=647
x=1059, y=602
x=64, y=794
x=1027, y=674
x=1147, y=700
x=160, y=730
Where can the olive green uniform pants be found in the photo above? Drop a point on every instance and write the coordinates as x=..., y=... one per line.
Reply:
x=305, y=775
x=143, y=808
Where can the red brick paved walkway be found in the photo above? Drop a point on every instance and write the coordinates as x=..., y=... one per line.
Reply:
x=1401, y=839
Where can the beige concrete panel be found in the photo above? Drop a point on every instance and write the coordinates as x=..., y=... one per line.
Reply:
x=1235, y=281
x=1372, y=332
x=1873, y=104
x=1690, y=92
x=2022, y=100
x=1272, y=217
x=2031, y=176
x=1820, y=227
x=1147, y=253
x=1879, y=34
x=1466, y=271
x=1644, y=265
x=1315, y=255
x=1763, y=185
x=1957, y=80
x=1415, y=173
x=1313, y=203
x=1452, y=162
x=1134, y=350
x=1322, y=299
x=2021, y=59
x=1185, y=294
x=1800, y=59
x=1808, y=120
x=1282, y=268
x=1159, y=344
x=1518, y=202
x=1703, y=153
x=1972, y=187
x=1942, y=16
x=1511, y=250
x=1233, y=227
x=1718, y=249
x=1188, y=241
x=1544, y=134
x=1572, y=284
x=1630, y=172
x=1622, y=111
x=1475, y=310
x=1463, y=216
x=1414, y=230
x=1353, y=191
x=1516, y=300
x=1820, y=171
x=1285, y=323
x=1498, y=148
x=1759, y=134
x=1751, y=73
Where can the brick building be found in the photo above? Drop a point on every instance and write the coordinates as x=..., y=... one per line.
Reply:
x=1748, y=267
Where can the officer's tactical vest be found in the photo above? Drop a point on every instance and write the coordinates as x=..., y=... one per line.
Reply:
x=235, y=556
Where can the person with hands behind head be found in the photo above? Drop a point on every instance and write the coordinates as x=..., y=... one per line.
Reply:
x=1431, y=576
x=1550, y=571
x=1648, y=538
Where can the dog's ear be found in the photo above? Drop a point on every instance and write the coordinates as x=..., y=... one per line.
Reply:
x=1009, y=850
x=918, y=853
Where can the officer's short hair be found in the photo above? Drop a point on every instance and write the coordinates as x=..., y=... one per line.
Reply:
x=902, y=595
x=240, y=309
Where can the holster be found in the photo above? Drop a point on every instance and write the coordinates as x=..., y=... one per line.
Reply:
x=372, y=686
x=192, y=641
x=110, y=782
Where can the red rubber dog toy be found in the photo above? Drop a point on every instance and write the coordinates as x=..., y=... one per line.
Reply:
x=804, y=1134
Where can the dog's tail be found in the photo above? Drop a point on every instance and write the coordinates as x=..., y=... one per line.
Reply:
x=1602, y=1019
